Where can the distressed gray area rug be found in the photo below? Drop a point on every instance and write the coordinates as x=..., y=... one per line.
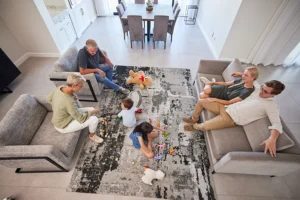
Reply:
x=116, y=167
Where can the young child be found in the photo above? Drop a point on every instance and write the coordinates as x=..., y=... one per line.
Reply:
x=142, y=137
x=128, y=113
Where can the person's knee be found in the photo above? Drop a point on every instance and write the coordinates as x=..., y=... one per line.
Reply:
x=94, y=120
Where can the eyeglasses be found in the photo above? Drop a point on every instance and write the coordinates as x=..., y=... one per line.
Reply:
x=264, y=91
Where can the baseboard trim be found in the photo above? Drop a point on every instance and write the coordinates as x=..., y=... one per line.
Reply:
x=207, y=40
x=31, y=54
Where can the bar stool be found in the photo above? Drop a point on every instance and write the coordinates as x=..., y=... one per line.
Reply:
x=191, y=21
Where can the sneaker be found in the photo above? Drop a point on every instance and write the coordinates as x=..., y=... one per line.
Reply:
x=124, y=90
x=189, y=120
x=188, y=128
x=204, y=80
x=199, y=127
x=96, y=139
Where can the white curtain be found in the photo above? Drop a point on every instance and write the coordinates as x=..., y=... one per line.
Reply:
x=293, y=57
x=103, y=8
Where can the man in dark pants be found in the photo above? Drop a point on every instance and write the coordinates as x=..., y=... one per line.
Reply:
x=92, y=60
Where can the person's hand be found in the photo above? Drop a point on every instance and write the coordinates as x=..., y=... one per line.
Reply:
x=210, y=100
x=95, y=111
x=235, y=74
x=270, y=145
x=209, y=83
x=102, y=73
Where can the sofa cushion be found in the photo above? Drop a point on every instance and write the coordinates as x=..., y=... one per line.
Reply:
x=258, y=131
x=227, y=140
x=68, y=61
x=48, y=135
x=295, y=149
x=22, y=121
x=234, y=66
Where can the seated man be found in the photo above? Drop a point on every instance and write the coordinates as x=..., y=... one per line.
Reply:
x=89, y=59
x=241, y=113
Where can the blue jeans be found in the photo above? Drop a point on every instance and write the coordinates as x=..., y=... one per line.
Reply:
x=108, y=79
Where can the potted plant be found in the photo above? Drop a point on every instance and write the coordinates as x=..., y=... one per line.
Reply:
x=149, y=5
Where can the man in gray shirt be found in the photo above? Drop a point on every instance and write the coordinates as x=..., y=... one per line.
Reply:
x=92, y=60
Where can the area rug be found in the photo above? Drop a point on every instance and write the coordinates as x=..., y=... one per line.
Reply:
x=116, y=167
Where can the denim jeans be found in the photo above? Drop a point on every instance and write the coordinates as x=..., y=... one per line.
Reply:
x=108, y=79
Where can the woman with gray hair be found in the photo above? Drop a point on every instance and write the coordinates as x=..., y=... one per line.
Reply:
x=67, y=115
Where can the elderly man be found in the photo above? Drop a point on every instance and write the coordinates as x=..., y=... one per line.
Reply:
x=241, y=113
x=92, y=60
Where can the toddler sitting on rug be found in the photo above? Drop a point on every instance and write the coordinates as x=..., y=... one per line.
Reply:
x=142, y=137
x=128, y=113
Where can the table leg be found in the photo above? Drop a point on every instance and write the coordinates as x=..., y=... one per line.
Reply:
x=148, y=30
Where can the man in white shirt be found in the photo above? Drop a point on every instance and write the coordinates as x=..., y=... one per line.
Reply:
x=255, y=107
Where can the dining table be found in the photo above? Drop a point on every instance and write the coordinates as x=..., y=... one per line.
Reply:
x=148, y=16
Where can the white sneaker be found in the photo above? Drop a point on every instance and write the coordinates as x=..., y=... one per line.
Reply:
x=96, y=139
x=204, y=80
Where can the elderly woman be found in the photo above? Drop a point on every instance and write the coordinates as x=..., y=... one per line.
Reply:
x=67, y=116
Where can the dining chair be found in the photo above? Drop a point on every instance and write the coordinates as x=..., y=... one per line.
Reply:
x=136, y=30
x=123, y=22
x=175, y=6
x=140, y=1
x=124, y=4
x=160, y=29
x=171, y=25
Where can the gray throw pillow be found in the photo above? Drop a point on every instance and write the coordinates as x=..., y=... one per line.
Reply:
x=68, y=61
x=234, y=66
x=258, y=131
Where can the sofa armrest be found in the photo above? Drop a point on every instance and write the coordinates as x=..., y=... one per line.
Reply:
x=258, y=163
x=212, y=66
x=11, y=153
x=42, y=100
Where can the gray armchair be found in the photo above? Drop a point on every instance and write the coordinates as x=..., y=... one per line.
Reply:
x=124, y=4
x=160, y=29
x=124, y=23
x=140, y=2
x=29, y=140
x=171, y=25
x=136, y=30
x=66, y=65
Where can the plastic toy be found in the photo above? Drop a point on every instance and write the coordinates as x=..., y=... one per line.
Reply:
x=165, y=134
x=172, y=151
x=161, y=146
x=150, y=174
x=158, y=157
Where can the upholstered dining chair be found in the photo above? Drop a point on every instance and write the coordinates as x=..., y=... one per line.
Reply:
x=136, y=30
x=175, y=6
x=124, y=4
x=124, y=23
x=160, y=29
x=140, y=1
x=171, y=25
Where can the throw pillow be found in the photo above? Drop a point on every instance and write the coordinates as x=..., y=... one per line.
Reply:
x=258, y=131
x=234, y=66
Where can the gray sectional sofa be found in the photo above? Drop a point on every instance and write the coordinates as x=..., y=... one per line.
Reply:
x=29, y=140
x=237, y=149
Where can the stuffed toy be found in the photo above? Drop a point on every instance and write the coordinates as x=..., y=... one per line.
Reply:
x=139, y=78
x=150, y=174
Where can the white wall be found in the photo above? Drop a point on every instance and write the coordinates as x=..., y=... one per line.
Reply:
x=215, y=18
x=10, y=45
x=92, y=9
x=250, y=22
x=26, y=24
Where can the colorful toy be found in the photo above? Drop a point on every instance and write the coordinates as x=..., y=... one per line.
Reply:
x=150, y=174
x=161, y=146
x=165, y=134
x=158, y=157
x=139, y=78
x=157, y=123
x=172, y=151
x=138, y=110
x=120, y=118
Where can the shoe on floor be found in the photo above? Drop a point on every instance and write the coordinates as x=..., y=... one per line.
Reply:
x=188, y=128
x=189, y=120
x=204, y=79
x=199, y=127
x=124, y=90
x=96, y=139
